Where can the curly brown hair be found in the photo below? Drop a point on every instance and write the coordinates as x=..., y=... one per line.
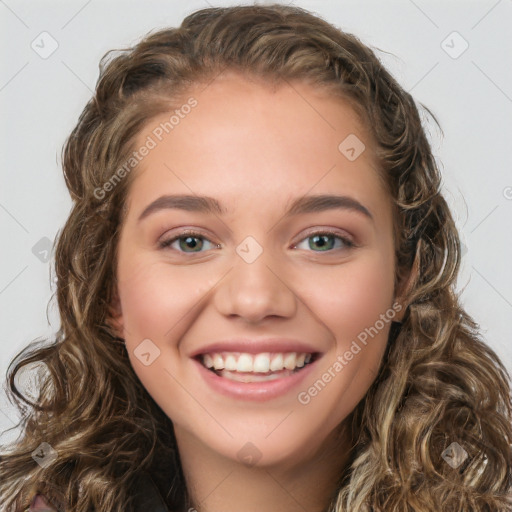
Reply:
x=438, y=384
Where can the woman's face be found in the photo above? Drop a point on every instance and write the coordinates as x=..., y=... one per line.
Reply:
x=259, y=177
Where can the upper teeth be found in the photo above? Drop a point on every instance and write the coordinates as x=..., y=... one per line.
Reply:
x=265, y=362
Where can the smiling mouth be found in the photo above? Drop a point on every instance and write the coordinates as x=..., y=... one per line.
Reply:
x=244, y=367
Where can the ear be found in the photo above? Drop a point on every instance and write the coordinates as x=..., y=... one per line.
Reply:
x=115, y=316
x=406, y=285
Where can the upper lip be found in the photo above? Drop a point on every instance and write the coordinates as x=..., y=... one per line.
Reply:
x=256, y=346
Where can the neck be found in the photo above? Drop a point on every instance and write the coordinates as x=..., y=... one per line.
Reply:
x=220, y=484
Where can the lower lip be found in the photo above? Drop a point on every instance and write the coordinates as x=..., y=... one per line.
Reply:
x=255, y=391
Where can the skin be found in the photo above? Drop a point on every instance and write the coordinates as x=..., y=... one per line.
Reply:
x=255, y=149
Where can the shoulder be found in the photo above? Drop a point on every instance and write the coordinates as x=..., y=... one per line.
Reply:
x=40, y=503
x=145, y=493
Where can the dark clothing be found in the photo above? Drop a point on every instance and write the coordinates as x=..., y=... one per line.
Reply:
x=147, y=498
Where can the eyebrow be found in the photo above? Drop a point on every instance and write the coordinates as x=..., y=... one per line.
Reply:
x=301, y=205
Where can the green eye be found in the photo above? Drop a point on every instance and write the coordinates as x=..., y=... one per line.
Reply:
x=192, y=242
x=325, y=242
x=188, y=242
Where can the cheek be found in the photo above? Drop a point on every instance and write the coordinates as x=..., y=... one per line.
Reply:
x=155, y=297
x=158, y=303
x=353, y=298
x=351, y=305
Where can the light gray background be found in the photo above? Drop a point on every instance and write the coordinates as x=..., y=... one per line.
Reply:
x=41, y=98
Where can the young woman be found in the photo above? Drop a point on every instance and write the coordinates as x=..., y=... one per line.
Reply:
x=257, y=291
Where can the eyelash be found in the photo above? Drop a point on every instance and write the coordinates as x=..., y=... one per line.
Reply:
x=349, y=244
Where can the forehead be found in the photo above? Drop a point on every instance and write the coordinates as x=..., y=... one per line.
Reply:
x=243, y=138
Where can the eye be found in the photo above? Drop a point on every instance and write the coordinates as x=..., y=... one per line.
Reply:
x=325, y=241
x=193, y=242
x=188, y=240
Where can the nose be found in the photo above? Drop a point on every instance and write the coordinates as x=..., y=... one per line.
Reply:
x=255, y=291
